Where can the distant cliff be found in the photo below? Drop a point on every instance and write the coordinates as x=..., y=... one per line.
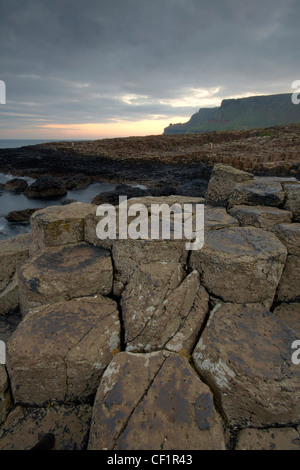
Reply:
x=243, y=113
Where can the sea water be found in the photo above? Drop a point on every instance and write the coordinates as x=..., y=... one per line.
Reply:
x=10, y=201
x=17, y=143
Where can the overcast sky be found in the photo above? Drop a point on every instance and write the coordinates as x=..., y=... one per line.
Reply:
x=97, y=68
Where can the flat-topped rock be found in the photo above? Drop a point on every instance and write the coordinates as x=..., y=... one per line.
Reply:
x=78, y=181
x=289, y=235
x=240, y=264
x=217, y=217
x=128, y=255
x=20, y=216
x=260, y=216
x=59, y=352
x=63, y=273
x=163, y=308
x=292, y=202
x=221, y=183
x=168, y=407
x=46, y=187
x=59, y=225
x=244, y=355
x=283, y=180
x=268, y=439
x=257, y=193
x=70, y=425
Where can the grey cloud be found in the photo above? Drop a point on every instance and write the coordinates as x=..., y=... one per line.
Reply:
x=76, y=60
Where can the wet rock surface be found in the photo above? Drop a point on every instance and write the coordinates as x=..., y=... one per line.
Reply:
x=16, y=185
x=78, y=181
x=46, y=187
x=20, y=216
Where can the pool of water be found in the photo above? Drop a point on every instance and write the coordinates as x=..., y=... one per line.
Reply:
x=10, y=201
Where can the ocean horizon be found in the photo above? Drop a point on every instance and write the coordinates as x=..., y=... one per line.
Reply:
x=18, y=143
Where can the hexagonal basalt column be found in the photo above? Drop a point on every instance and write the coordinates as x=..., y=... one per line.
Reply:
x=221, y=183
x=245, y=357
x=154, y=401
x=242, y=265
x=260, y=216
x=257, y=193
x=58, y=225
x=64, y=273
x=292, y=202
x=59, y=352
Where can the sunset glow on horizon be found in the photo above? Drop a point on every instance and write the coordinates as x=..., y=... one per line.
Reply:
x=91, y=131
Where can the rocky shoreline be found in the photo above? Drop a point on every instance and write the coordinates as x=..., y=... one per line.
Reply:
x=161, y=159
x=142, y=344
